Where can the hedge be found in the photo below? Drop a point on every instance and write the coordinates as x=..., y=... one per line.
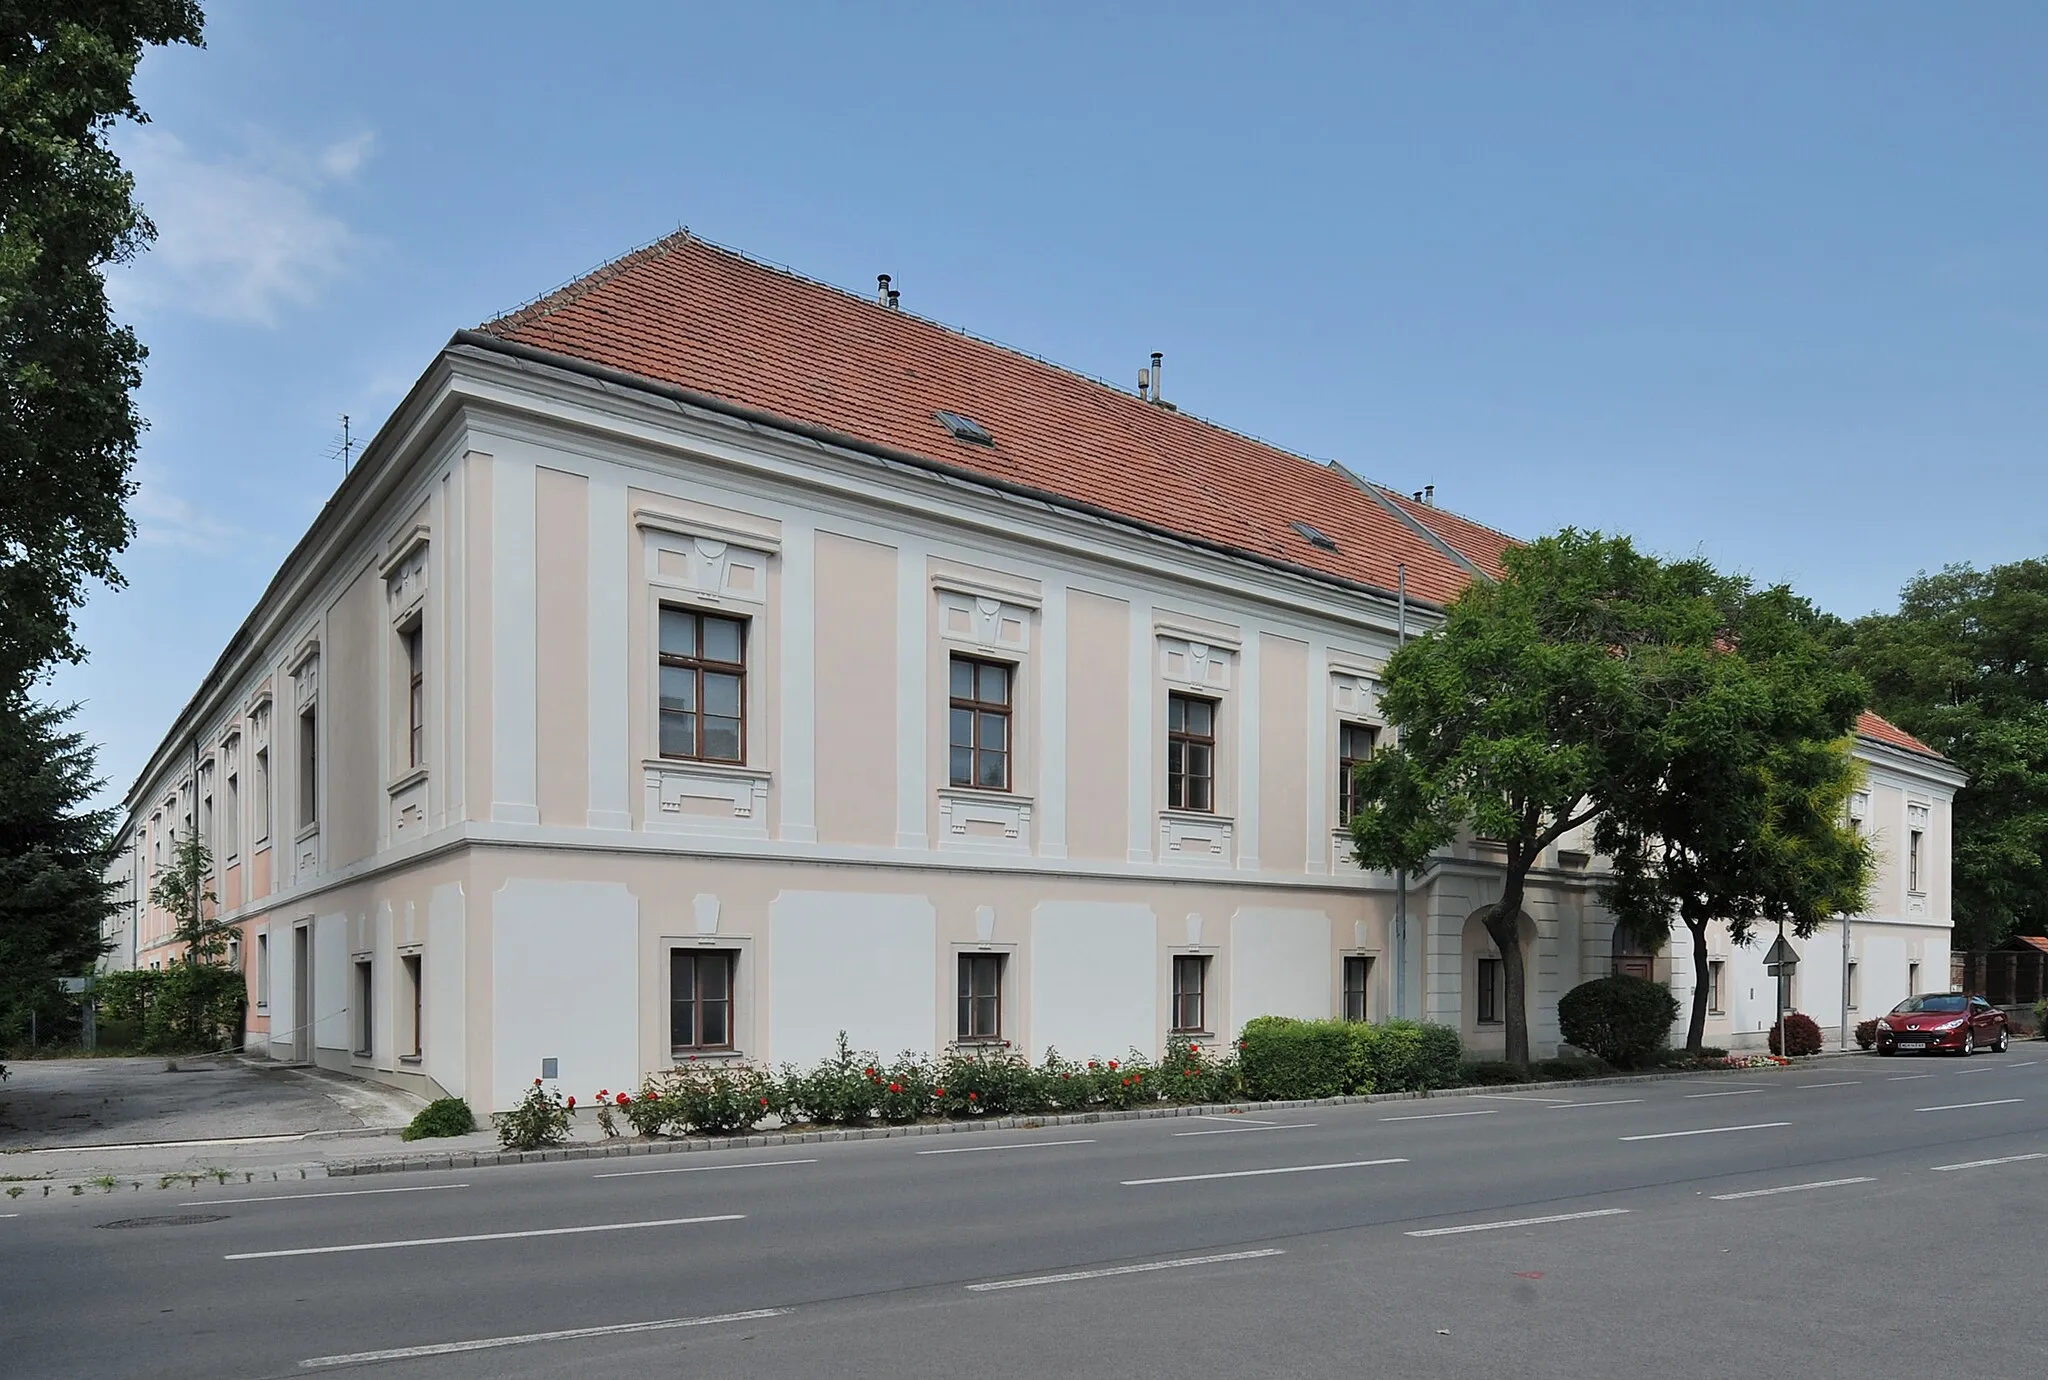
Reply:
x=1283, y=1059
x=1623, y=1020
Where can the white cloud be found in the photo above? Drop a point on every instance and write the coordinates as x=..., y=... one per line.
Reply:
x=164, y=519
x=240, y=239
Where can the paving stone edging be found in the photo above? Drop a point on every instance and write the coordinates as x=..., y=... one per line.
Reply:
x=625, y=1147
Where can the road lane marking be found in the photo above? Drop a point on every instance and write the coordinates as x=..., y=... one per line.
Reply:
x=402, y=1353
x=1266, y=1126
x=1259, y=1173
x=1146, y=1268
x=1610, y=1102
x=1248, y=1120
x=696, y=1168
x=2023, y=1064
x=1846, y=1083
x=1729, y=1092
x=342, y=1193
x=9, y=1214
x=1519, y=1222
x=1907, y=1077
x=1790, y=1188
x=1025, y=1145
x=1709, y=1130
x=1964, y=1106
x=1435, y=1116
x=485, y=1236
x=1509, y=1097
x=1981, y=1164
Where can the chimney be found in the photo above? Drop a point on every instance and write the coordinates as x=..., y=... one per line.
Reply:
x=895, y=300
x=882, y=294
x=1144, y=382
x=1429, y=494
x=1158, y=379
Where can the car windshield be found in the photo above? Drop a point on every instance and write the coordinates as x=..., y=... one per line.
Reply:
x=1936, y=1003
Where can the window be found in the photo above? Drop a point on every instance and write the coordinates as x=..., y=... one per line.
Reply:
x=1913, y=862
x=1912, y=979
x=415, y=696
x=1357, y=979
x=261, y=833
x=309, y=768
x=1715, y=973
x=1490, y=1006
x=207, y=837
x=703, y=686
x=1190, y=753
x=700, y=998
x=1852, y=985
x=365, y=994
x=1354, y=746
x=409, y=971
x=981, y=996
x=979, y=734
x=231, y=818
x=235, y=952
x=1190, y=988
x=262, y=971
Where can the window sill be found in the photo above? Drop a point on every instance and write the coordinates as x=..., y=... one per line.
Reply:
x=979, y=1044
x=413, y=1059
x=682, y=1057
x=406, y=782
x=262, y=1006
x=307, y=832
x=1192, y=1034
x=737, y=770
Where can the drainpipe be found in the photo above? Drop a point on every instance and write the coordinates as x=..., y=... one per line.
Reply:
x=1400, y=874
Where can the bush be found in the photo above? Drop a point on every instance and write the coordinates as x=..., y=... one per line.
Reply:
x=183, y=1009
x=1623, y=1020
x=1285, y=1059
x=1405, y=1056
x=1581, y=1066
x=1802, y=1036
x=1491, y=1073
x=1866, y=1033
x=1187, y=1074
x=719, y=1100
x=541, y=1119
x=444, y=1116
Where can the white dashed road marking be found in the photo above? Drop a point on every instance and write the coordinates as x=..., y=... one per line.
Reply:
x=1964, y=1106
x=1790, y=1188
x=1709, y=1131
x=1983, y=1164
x=485, y=1236
x=1258, y=1173
x=1147, y=1268
x=1520, y=1222
x=402, y=1353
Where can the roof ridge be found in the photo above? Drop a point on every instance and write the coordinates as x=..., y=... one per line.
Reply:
x=583, y=284
x=1435, y=507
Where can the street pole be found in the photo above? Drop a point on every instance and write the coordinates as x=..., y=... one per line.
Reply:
x=1845, y=985
x=1400, y=874
x=1784, y=1044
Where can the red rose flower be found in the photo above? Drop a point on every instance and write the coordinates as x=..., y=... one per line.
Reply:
x=1112, y=1066
x=974, y=1097
x=624, y=1099
x=604, y=1094
x=869, y=1071
x=1091, y=1063
x=536, y=1082
x=572, y=1104
x=938, y=1092
x=764, y=1102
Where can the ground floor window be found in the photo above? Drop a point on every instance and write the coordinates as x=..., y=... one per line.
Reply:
x=409, y=971
x=1490, y=1007
x=365, y=993
x=1912, y=979
x=1851, y=984
x=1357, y=978
x=262, y=971
x=1715, y=973
x=981, y=997
x=700, y=1014
x=1190, y=993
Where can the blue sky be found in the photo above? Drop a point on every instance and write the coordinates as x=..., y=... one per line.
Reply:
x=1763, y=282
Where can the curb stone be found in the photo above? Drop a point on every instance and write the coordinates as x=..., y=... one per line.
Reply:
x=621, y=1147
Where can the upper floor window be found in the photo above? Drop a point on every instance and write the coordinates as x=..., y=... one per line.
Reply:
x=1354, y=746
x=261, y=819
x=415, y=695
x=979, y=734
x=703, y=686
x=309, y=767
x=1190, y=753
x=1913, y=860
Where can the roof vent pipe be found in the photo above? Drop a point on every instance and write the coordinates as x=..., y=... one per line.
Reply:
x=1429, y=494
x=882, y=293
x=1158, y=378
x=1144, y=382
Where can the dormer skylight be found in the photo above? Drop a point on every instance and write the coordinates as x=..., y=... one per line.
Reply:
x=1312, y=536
x=965, y=428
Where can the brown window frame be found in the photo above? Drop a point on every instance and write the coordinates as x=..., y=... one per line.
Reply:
x=1489, y=995
x=975, y=999
x=1198, y=964
x=1179, y=795
x=696, y=1044
x=1347, y=768
x=1717, y=977
x=699, y=665
x=1357, y=995
x=979, y=709
x=415, y=641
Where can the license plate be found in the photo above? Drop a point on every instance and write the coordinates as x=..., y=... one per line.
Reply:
x=1912, y=1044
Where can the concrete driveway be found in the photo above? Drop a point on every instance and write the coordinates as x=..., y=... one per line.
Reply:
x=66, y=1104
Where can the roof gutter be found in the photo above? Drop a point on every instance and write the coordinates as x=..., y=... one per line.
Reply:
x=483, y=340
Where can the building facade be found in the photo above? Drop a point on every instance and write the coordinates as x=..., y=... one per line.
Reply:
x=703, y=662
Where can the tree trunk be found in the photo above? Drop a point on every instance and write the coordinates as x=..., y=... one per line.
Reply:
x=1503, y=923
x=1696, y=1031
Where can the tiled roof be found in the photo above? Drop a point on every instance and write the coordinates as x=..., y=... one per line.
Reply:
x=1869, y=725
x=701, y=317
x=694, y=315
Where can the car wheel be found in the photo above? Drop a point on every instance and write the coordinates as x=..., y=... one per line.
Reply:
x=2004, y=1041
x=1969, y=1043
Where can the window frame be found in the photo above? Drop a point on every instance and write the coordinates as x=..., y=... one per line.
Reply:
x=1717, y=975
x=413, y=639
x=1180, y=994
x=1852, y=998
x=1347, y=766
x=412, y=968
x=309, y=767
x=263, y=970
x=260, y=772
x=1489, y=999
x=969, y=1000
x=978, y=709
x=699, y=666
x=1362, y=990
x=363, y=1040
x=695, y=954
x=1187, y=741
x=1913, y=839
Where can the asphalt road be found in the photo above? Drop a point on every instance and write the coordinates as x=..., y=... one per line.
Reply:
x=1855, y=1217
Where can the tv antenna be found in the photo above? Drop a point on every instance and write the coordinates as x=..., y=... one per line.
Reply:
x=344, y=446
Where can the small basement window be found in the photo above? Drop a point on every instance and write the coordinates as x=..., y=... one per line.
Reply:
x=1312, y=536
x=965, y=428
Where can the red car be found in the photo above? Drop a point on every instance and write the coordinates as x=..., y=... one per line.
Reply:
x=1944, y=1022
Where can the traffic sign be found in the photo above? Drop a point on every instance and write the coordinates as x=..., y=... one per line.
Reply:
x=1782, y=959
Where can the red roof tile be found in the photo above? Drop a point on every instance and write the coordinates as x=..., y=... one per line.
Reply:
x=1480, y=545
x=1869, y=725
x=692, y=314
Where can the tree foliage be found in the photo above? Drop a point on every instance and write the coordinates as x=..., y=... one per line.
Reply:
x=1963, y=666
x=53, y=856
x=68, y=426
x=1520, y=717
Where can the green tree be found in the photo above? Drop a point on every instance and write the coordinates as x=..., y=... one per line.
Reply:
x=68, y=425
x=1963, y=666
x=1517, y=718
x=184, y=889
x=53, y=857
x=1736, y=808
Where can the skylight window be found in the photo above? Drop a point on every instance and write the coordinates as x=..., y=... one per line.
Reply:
x=1312, y=536
x=965, y=428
